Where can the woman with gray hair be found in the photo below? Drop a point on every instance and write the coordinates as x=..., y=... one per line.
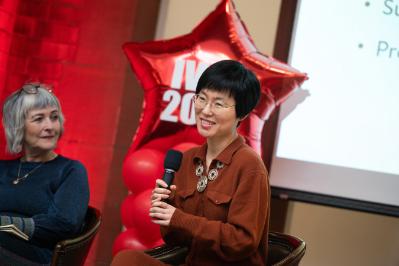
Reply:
x=43, y=195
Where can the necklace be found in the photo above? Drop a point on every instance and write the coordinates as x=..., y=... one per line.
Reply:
x=20, y=178
x=203, y=179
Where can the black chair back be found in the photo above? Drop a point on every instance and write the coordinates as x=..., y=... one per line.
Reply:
x=74, y=251
x=285, y=250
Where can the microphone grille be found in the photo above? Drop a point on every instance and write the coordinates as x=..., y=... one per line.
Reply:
x=173, y=160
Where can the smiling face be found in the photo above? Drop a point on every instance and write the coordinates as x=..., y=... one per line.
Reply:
x=42, y=130
x=216, y=123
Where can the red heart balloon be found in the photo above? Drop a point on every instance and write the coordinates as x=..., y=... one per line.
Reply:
x=168, y=71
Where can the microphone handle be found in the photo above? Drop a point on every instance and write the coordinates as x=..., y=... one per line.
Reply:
x=168, y=176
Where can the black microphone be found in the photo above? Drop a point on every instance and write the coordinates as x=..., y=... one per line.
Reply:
x=171, y=164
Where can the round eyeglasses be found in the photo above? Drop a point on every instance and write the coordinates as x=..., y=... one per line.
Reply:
x=201, y=102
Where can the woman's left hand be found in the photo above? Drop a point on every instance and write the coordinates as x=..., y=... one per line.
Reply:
x=161, y=212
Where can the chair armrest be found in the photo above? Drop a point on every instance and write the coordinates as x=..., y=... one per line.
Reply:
x=285, y=249
x=74, y=251
x=168, y=254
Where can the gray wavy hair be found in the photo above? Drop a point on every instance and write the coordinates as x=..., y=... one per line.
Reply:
x=16, y=108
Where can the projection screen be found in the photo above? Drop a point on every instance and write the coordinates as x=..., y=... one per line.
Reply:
x=337, y=139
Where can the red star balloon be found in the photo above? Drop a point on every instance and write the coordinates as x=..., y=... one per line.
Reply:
x=168, y=72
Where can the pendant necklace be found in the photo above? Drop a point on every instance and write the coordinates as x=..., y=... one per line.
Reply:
x=203, y=179
x=20, y=178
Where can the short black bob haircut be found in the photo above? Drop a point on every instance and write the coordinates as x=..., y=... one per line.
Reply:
x=232, y=77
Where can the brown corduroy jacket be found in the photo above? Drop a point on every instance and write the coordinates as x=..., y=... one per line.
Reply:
x=227, y=224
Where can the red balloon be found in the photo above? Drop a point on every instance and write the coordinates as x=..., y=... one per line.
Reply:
x=141, y=168
x=127, y=214
x=140, y=208
x=128, y=240
x=168, y=71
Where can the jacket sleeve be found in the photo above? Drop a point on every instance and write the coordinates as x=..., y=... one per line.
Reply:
x=174, y=237
x=240, y=235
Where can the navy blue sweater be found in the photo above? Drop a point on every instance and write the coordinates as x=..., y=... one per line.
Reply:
x=54, y=197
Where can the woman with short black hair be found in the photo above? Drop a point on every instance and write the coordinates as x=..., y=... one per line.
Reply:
x=218, y=205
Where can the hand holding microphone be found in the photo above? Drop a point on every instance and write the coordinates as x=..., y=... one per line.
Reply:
x=160, y=211
x=171, y=165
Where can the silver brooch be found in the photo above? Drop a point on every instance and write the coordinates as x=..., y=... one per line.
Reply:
x=219, y=165
x=212, y=175
x=199, y=170
x=202, y=183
